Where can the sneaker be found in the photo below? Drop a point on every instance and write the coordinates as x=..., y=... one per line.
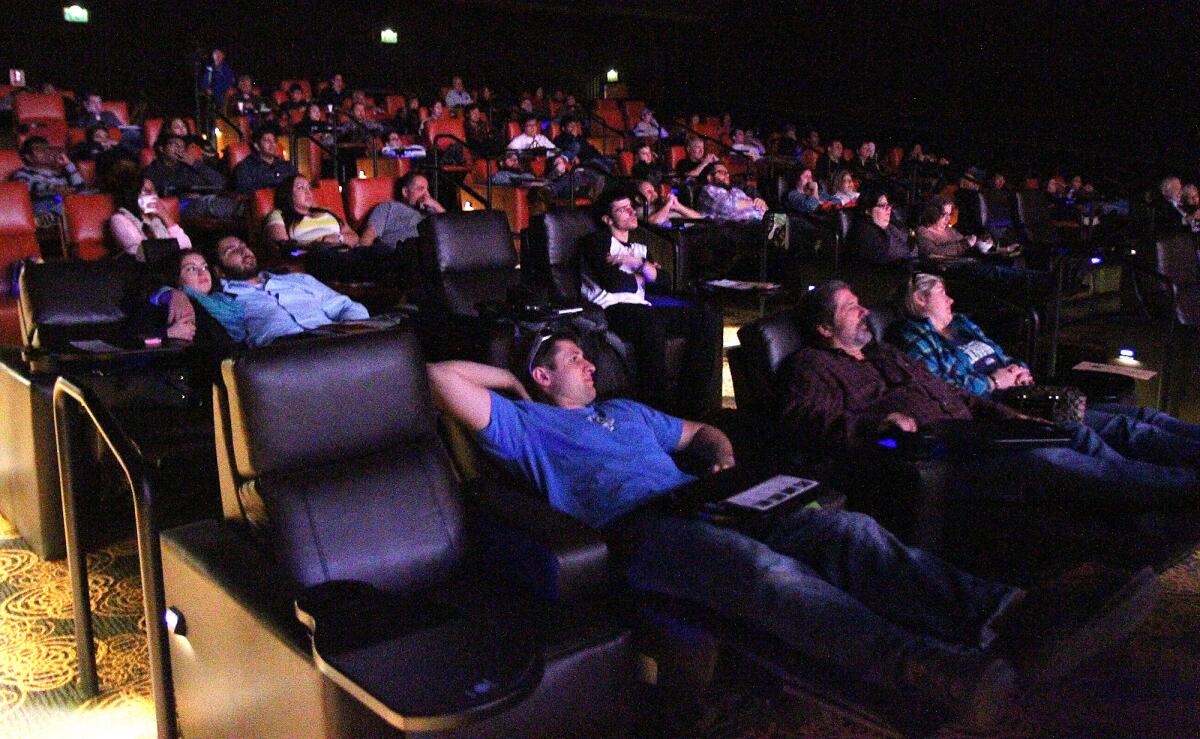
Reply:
x=1060, y=625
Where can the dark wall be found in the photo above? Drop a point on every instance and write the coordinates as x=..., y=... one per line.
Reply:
x=1118, y=79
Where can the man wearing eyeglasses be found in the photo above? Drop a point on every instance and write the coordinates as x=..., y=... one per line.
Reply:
x=833, y=585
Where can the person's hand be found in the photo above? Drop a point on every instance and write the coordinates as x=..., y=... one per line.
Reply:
x=1004, y=377
x=184, y=330
x=626, y=260
x=902, y=421
x=709, y=158
x=179, y=308
x=1023, y=375
x=972, y=239
x=349, y=238
x=760, y=205
x=63, y=160
x=724, y=463
x=517, y=388
x=672, y=200
x=332, y=239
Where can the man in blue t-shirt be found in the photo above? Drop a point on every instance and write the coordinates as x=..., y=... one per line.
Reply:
x=834, y=585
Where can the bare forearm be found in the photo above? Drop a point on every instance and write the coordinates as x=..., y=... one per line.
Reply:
x=480, y=375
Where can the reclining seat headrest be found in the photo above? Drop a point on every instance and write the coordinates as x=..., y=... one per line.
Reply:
x=61, y=301
x=471, y=241
x=339, y=438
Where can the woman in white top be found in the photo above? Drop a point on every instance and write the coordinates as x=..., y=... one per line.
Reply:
x=296, y=218
x=138, y=218
x=842, y=185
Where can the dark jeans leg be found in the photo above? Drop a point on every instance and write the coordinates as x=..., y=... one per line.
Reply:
x=699, y=383
x=1089, y=471
x=641, y=327
x=834, y=585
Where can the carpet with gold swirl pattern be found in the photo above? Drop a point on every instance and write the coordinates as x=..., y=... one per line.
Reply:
x=39, y=690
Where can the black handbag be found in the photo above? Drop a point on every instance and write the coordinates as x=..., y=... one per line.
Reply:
x=1058, y=403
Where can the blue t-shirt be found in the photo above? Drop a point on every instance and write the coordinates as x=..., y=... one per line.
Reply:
x=595, y=463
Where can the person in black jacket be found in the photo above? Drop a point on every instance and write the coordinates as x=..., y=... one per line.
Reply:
x=874, y=237
x=616, y=272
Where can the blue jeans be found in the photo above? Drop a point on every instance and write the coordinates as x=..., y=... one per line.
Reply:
x=1124, y=461
x=836, y=586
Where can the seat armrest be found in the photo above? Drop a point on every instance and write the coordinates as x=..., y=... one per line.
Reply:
x=525, y=541
x=417, y=664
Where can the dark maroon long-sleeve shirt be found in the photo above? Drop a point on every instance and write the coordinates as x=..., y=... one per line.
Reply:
x=833, y=401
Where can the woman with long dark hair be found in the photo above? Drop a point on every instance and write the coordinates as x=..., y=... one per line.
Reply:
x=297, y=218
x=138, y=216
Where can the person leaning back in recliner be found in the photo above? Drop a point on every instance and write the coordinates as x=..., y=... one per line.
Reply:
x=834, y=585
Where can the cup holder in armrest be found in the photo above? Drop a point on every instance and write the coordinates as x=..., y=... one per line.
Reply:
x=418, y=664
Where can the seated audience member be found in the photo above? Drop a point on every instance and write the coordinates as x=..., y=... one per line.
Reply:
x=332, y=97
x=220, y=322
x=812, y=140
x=1168, y=210
x=646, y=165
x=615, y=274
x=296, y=218
x=647, y=127
x=458, y=97
x=480, y=135
x=138, y=217
x=370, y=109
x=315, y=125
x=874, y=237
x=720, y=200
x=841, y=184
x=957, y=351
x=690, y=167
x=936, y=237
x=94, y=114
x=829, y=163
x=833, y=585
x=746, y=144
x=573, y=145
x=99, y=147
x=511, y=171
x=1189, y=203
x=864, y=165
x=437, y=112
x=244, y=101
x=571, y=108
x=264, y=167
x=358, y=127
x=531, y=137
x=178, y=126
x=565, y=181
x=49, y=174
x=658, y=210
x=395, y=221
x=805, y=196
x=395, y=147
x=842, y=389
x=295, y=100
x=278, y=305
x=175, y=172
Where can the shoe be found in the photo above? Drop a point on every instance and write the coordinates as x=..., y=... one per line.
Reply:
x=976, y=687
x=1064, y=623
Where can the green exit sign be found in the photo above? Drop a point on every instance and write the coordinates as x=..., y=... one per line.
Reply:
x=388, y=36
x=75, y=14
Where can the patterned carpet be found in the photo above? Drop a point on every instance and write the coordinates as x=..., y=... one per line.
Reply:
x=39, y=692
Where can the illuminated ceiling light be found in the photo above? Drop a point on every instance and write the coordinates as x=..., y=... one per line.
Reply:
x=388, y=36
x=75, y=14
x=1126, y=352
x=1096, y=260
x=612, y=75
